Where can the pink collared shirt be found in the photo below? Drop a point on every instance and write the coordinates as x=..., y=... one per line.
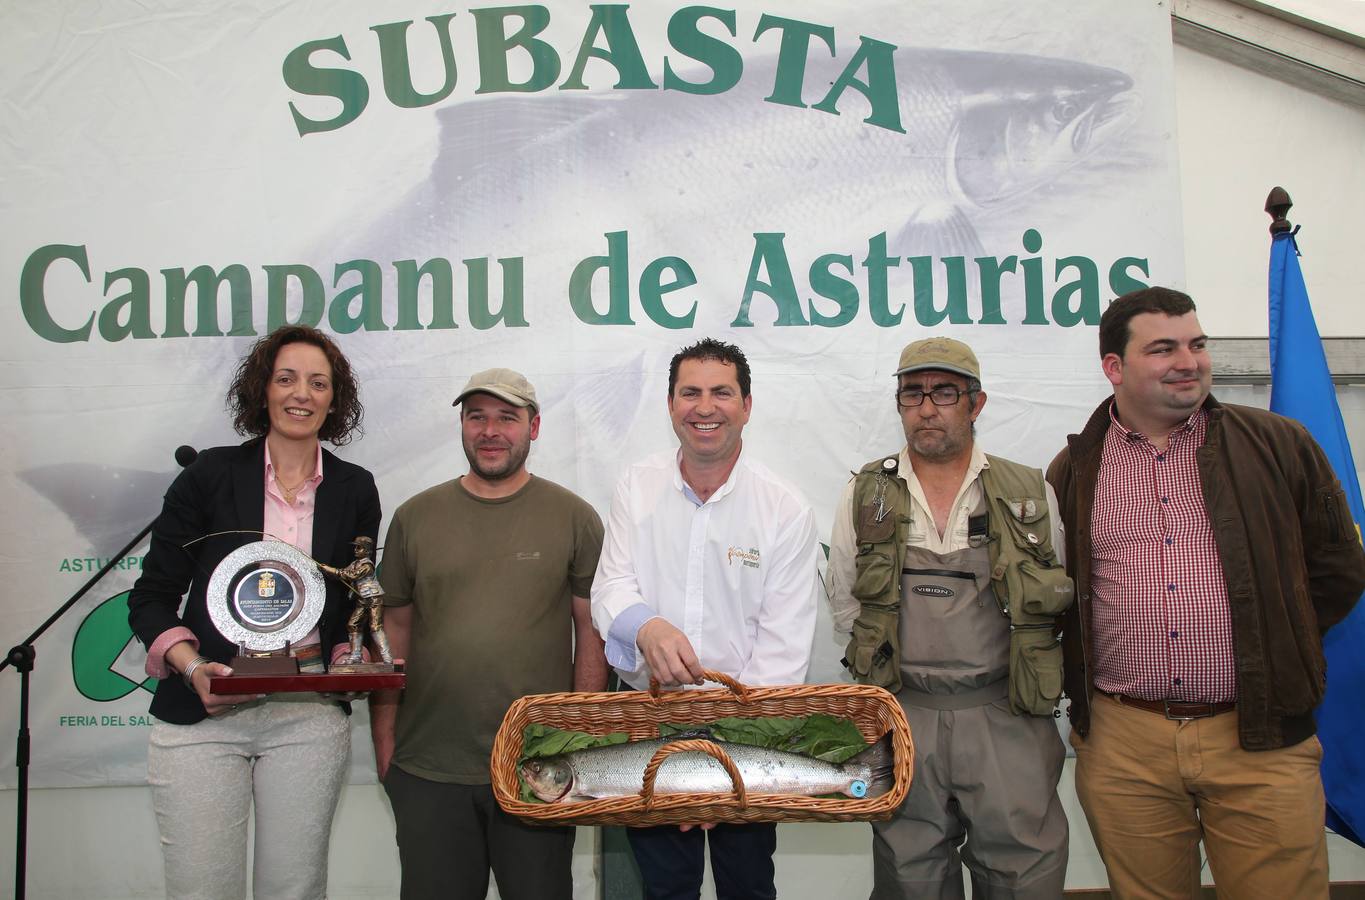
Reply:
x=283, y=521
x=291, y=523
x=1161, y=622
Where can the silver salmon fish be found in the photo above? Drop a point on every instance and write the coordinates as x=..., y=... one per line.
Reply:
x=618, y=771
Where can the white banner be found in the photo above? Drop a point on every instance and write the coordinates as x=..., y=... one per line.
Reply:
x=573, y=191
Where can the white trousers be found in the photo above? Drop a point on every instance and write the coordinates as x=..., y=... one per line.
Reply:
x=288, y=754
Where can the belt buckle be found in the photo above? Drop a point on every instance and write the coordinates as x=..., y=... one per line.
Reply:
x=1187, y=717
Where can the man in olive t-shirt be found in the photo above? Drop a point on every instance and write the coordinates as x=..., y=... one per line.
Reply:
x=486, y=580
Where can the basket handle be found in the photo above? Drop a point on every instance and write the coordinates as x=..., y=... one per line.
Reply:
x=739, y=690
x=696, y=745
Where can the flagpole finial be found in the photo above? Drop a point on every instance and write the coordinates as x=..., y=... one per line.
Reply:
x=1277, y=205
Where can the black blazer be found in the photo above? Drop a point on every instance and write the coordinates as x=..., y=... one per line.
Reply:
x=222, y=490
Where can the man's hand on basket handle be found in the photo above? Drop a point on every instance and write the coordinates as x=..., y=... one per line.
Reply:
x=672, y=661
x=669, y=653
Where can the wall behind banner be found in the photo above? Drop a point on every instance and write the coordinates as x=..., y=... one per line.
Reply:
x=573, y=191
x=1230, y=157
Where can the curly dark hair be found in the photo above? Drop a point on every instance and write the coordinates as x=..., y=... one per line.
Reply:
x=246, y=394
x=1114, y=330
x=711, y=349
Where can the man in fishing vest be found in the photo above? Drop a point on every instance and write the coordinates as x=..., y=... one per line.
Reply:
x=944, y=566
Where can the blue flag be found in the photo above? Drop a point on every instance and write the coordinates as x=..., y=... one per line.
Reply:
x=1301, y=388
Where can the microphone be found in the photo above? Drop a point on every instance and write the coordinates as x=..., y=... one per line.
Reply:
x=185, y=454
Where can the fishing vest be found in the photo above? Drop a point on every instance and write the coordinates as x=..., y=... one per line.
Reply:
x=1029, y=583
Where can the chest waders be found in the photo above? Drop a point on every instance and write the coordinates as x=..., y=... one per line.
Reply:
x=1029, y=585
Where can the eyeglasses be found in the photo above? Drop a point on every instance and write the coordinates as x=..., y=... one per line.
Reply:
x=948, y=395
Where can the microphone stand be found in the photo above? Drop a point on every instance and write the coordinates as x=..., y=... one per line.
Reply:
x=21, y=657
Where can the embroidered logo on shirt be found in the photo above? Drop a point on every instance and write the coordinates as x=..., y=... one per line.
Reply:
x=933, y=590
x=748, y=557
x=527, y=554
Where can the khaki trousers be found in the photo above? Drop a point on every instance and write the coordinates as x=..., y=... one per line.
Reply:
x=1152, y=788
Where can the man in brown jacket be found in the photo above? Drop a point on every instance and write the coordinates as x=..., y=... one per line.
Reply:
x=1211, y=547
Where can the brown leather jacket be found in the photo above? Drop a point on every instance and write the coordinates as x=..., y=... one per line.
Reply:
x=1291, y=557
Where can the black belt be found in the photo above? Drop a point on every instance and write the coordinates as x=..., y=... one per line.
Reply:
x=1174, y=709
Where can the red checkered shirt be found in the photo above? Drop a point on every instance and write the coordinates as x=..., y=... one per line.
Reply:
x=1161, y=624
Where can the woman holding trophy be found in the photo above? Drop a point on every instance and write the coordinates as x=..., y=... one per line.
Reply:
x=211, y=755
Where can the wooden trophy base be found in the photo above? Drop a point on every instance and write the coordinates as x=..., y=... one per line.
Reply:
x=374, y=677
x=272, y=664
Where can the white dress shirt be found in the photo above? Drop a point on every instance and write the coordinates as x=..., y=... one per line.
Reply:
x=843, y=544
x=736, y=574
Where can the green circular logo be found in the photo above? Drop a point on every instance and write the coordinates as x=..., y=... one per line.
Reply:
x=100, y=665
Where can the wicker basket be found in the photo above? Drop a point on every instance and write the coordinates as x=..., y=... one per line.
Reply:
x=639, y=713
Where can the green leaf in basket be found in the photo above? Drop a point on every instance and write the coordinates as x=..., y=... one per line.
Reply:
x=765, y=732
x=824, y=737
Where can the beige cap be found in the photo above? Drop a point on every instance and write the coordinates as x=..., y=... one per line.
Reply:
x=944, y=354
x=504, y=384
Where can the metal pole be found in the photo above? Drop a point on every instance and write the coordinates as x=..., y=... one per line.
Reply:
x=21, y=658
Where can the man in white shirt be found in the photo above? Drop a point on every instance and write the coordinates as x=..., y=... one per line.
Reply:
x=944, y=567
x=709, y=562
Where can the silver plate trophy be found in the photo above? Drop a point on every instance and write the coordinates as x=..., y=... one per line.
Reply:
x=265, y=597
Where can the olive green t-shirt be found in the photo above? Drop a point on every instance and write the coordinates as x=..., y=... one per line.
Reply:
x=491, y=584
